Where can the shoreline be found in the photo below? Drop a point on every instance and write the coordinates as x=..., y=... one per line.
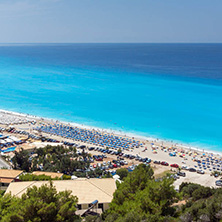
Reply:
x=165, y=142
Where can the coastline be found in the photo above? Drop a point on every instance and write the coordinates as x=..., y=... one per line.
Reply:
x=164, y=142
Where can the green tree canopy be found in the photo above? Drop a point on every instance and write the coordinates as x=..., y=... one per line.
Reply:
x=140, y=196
x=21, y=160
x=122, y=172
x=43, y=204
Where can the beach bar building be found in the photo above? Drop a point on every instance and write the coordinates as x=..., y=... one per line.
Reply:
x=8, y=176
x=87, y=190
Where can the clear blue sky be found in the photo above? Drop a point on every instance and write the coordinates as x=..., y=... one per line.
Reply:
x=54, y=21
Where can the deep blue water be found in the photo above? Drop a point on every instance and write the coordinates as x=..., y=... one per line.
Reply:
x=169, y=91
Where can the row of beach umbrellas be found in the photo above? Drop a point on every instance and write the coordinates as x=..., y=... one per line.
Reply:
x=89, y=136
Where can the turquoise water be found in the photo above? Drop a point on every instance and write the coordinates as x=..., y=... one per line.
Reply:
x=168, y=91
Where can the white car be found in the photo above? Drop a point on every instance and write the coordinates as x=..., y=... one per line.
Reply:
x=200, y=172
x=218, y=183
x=184, y=167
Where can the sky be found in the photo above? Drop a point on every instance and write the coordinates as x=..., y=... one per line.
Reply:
x=115, y=21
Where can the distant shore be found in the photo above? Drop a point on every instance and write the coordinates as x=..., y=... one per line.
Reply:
x=161, y=142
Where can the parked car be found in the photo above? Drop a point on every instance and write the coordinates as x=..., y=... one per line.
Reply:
x=174, y=165
x=157, y=162
x=164, y=163
x=183, y=174
x=121, y=163
x=175, y=176
x=148, y=160
x=192, y=170
x=200, y=172
x=218, y=183
x=185, y=167
x=125, y=162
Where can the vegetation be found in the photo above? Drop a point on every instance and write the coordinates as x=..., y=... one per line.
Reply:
x=142, y=198
x=32, y=177
x=122, y=172
x=56, y=159
x=195, y=191
x=39, y=204
x=21, y=160
x=216, y=173
x=203, y=203
x=139, y=197
x=51, y=158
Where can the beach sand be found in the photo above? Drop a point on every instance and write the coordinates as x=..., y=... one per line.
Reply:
x=152, y=148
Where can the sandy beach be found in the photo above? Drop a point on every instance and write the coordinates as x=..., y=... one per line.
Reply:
x=144, y=147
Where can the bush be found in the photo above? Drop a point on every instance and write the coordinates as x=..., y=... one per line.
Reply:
x=122, y=172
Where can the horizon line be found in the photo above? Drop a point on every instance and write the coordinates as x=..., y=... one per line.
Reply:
x=110, y=42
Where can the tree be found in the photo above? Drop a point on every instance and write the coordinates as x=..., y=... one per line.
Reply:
x=52, y=158
x=140, y=197
x=21, y=160
x=122, y=172
x=39, y=204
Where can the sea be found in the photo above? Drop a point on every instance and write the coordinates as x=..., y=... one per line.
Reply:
x=166, y=91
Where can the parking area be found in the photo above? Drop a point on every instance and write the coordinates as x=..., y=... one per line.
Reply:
x=192, y=177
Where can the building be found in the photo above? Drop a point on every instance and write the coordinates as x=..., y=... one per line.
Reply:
x=51, y=174
x=87, y=190
x=8, y=176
